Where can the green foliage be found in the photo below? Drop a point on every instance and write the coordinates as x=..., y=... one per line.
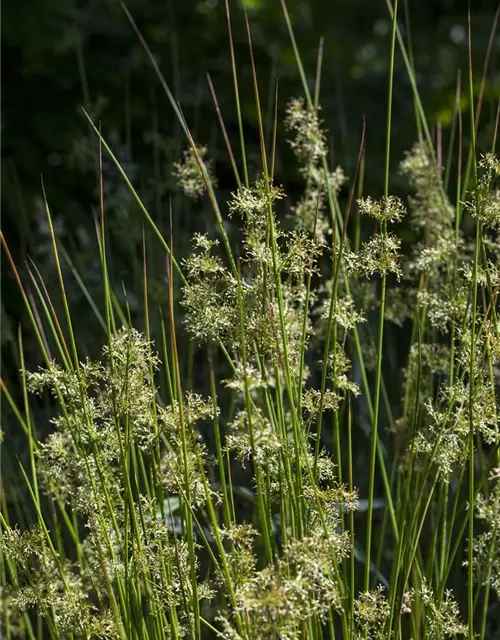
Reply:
x=217, y=473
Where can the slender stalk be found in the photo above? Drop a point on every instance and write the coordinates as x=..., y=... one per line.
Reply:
x=378, y=375
x=472, y=369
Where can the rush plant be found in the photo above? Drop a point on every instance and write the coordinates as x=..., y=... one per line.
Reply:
x=154, y=510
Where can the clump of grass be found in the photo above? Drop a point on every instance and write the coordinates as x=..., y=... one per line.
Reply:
x=159, y=512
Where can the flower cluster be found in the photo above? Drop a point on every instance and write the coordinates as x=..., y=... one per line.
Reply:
x=487, y=543
x=442, y=617
x=371, y=611
x=387, y=209
x=309, y=145
x=281, y=597
x=429, y=206
x=309, y=142
x=189, y=174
